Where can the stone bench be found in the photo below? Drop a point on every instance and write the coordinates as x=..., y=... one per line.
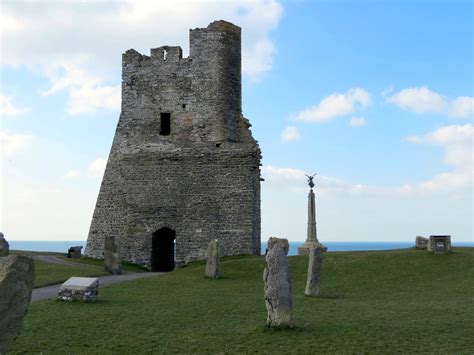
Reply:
x=79, y=288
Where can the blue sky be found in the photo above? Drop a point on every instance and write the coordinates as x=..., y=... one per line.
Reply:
x=375, y=96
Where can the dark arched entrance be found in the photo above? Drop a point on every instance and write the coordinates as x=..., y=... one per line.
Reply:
x=162, y=250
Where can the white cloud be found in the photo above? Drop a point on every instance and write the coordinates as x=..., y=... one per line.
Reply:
x=357, y=122
x=10, y=24
x=86, y=99
x=457, y=141
x=8, y=109
x=336, y=105
x=272, y=173
x=462, y=107
x=72, y=42
x=14, y=143
x=290, y=134
x=87, y=93
x=446, y=135
x=71, y=174
x=45, y=205
x=418, y=99
x=296, y=180
x=423, y=100
x=96, y=168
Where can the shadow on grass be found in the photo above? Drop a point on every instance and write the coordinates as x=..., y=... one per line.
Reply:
x=326, y=297
x=280, y=329
x=80, y=303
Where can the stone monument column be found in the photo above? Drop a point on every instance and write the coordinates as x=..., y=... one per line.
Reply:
x=311, y=234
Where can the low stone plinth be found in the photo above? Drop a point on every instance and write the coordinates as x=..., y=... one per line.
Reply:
x=79, y=288
x=304, y=249
x=439, y=244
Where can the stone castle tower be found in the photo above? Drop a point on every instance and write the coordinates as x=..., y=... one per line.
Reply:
x=184, y=168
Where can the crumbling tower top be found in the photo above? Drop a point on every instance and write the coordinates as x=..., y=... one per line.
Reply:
x=201, y=94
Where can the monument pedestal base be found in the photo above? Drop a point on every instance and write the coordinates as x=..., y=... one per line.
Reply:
x=304, y=249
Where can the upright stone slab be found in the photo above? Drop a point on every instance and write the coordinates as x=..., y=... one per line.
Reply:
x=212, y=266
x=4, y=246
x=113, y=263
x=314, y=271
x=421, y=242
x=17, y=275
x=277, y=284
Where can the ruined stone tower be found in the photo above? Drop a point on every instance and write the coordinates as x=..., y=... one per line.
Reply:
x=183, y=168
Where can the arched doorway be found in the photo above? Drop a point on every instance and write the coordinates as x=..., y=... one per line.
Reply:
x=162, y=250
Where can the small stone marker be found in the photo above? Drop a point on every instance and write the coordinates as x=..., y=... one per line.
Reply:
x=79, y=288
x=277, y=284
x=113, y=263
x=212, y=266
x=439, y=244
x=421, y=242
x=4, y=246
x=17, y=275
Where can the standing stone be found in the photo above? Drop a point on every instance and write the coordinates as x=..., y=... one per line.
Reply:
x=314, y=271
x=113, y=263
x=17, y=275
x=212, y=266
x=311, y=234
x=421, y=242
x=277, y=284
x=4, y=246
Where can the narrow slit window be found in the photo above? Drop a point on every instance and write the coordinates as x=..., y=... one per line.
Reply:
x=165, y=124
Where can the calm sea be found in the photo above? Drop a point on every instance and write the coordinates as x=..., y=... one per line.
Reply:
x=63, y=246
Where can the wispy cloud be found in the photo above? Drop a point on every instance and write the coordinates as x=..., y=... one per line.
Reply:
x=423, y=100
x=8, y=109
x=336, y=105
x=96, y=168
x=72, y=174
x=12, y=144
x=87, y=92
x=290, y=134
x=357, y=122
x=113, y=28
x=458, y=153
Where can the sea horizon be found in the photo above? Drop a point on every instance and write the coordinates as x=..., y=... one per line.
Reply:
x=62, y=246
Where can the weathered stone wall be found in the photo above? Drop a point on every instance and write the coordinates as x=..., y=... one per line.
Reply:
x=203, y=179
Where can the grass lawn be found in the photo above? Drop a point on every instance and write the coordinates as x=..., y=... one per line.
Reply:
x=372, y=302
x=127, y=267
x=48, y=274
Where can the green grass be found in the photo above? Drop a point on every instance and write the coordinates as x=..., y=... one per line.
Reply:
x=48, y=274
x=33, y=253
x=127, y=267
x=402, y=301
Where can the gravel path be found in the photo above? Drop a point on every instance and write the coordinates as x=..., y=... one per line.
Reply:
x=46, y=292
x=54, y=260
